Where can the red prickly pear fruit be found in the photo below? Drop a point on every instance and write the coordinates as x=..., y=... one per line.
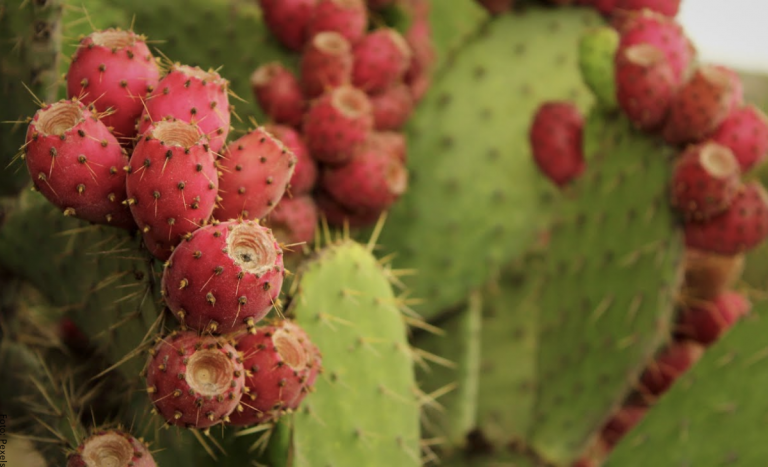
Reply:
x=347, y=17
x=622, y=422
x=392, y=108
x=645, y=85
x=225, y=278
x=708, y=275
x=647, y=27
x=293, y=221
x=195, y=381
x=381, y=59
x=497, y=7
x=114, y=70
x=556, y=135
x=172, y=184
x=742, y=227
x=737, y=87
x=669, y=365
x=700, y=107
x=338, y=215
x=604, y=7
x=314, y=362
x=288, y=20
x=77, y=164
x=667, y=8
x=191, y=95
x=745, y=132
x=256, y=169
x=392, y=142
x=419, y=38
x=278, y=93
x=707, y=321
x=278, y=360
x=372, y=181
x=305, y=172
x=111, y=448
x=705, y=181
x=338, y=124
x=326, y=63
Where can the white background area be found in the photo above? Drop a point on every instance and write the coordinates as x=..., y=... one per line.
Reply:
x=728, y=32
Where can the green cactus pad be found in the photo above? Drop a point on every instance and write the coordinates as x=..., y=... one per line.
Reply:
x=496, y=458
x=597, y=49
x=454, y=379
x=452, y=23
x=30, y=36
x=714, y=415
x=364, y=410
x=474, y=184
x=612, y=274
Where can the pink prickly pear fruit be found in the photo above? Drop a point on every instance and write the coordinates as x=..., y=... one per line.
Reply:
x=294, y=221
x=745, y=132
x=737, y=87
x=669, y=365
x=371, y=181
x=497, y=7
x=381, y=59
x=195, y=381
x=226, y=277
x=338, y=215
x=190, y=94
x=347, y=17
x=419, y=38
x=707, y=321
x=305, y=172
x=556, y=136
x=392, y=142
x=171, y=184
x=705, y=181
x=279, y=359
x=708, y=275
x=741, y=228
x=645, y=85
x=647, y=27
x=255, y=172
x=622, y=422
x=392, y=108
x=338, y=124
x=114, y=70
x=111, y=448
x=278, y=93
x=77, y=164
x=288, y=20
x=326, y=63
x=700, y=106
x=665, y=7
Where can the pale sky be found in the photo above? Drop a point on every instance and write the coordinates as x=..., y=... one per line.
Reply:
x=729, y=32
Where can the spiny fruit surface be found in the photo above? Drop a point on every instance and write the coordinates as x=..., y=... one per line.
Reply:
x=114, y=70
x=392, y=107
x=294, y=221
x=256, y=170
x=372, y=181
x=645, y=85
x=706, y=321
x=194, y=381
x=665, y=7
x=288, y=20
x=556, y=141
x=339, y=215
x=110, y=448
x=742, y=227
x=705, y=180
x=623, y=421
x=77, y=164
x=192, y=95
x=278, y=93
x=278, y=358
x=745, y=132
x=224, y=277
x=337, y=124
x=381, y=59
x=171, y=184
x=305, y=171
x=326, y=63
x=699, y=107
x=347, y=17
x=669, y=365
